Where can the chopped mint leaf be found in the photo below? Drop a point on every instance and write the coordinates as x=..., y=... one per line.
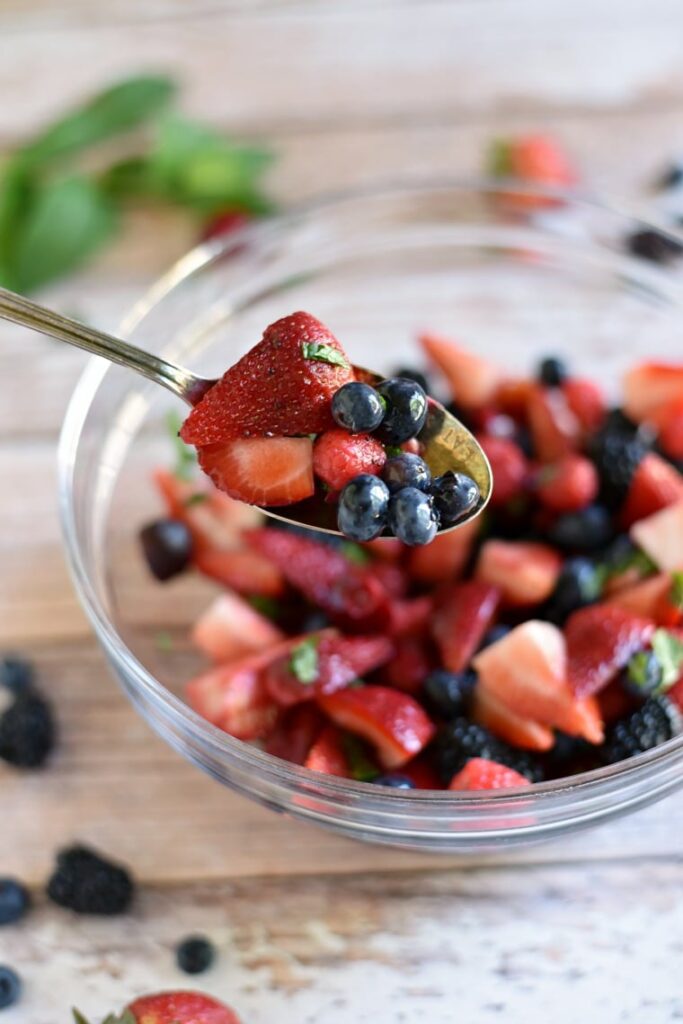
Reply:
x=676, y=593
x=163, y=641
x=669, y=651
x=360, y=764
x=645, y=672
x=323, y=353
x=635, y=559
x=303, y=662
x=78, y=1017
x=392, y=450
x=186, y=459
x=267, y=606
x=499, y=159
x=355, y=553
x=198, y=498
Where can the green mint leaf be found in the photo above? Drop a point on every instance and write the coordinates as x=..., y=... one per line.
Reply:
x=355, y=553
x=185, y=456
x=676, y=592
x=78, y=1016
x=360, y=763
x=120, y=108
x=393, y=450
x=67, y=222
x=499, y=161
x=16, y=196
x=163, y=641
x=196, y=499
x=127, y=178
x=669, y=652
x=639, y=669
x=635, y=559
x=267, y=606
x=303, y=662
x=323, y=353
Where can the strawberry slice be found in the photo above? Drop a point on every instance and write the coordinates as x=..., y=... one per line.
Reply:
x=339, y=456
x=247, y=572
x=261, y=470
x=499, y=719
x=422, y=772
x=295, y=733
x=385, y=549
x=473, y=380
x=179, y=1008
x=509, y=467
x=512, y=397
x=349, y=593
x=393, y=722
x=410, y=665
x=410, y=616
x=446, y=557
x=230, y=628
x=568, y=485
x=586, y=400
x=327, y=754
x=392, y=577
x=600, y=641
x=479, y=773
x=661, y=536
x=669, y=422
x=650, y=598
x=555, y=430
x=463, y=613
x=280, y=388
x=655, y=485
x=527, y=671
x=525, y=573
x=649, y=386
x=215, y=520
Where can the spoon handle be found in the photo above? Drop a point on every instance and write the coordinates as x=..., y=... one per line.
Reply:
x=29, y=314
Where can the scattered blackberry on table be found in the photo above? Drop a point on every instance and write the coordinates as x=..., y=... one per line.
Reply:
x=394, y=781
x=552, y=372
x=657, y=721
x=460, y=739
x=412, y=517
x=14, y=900
x=455, y=496
x=195, y=954
x=406, y=410
x=363, y=507
x=167, y=547
x=448, y=694
x=10, y=987
x=27, y=731
x=357, y=408
x=589, y=529
x=579, y=584
x=643, y=675
x=87, y=883
x=406, y=470
x=16, y=674
x=409, y=373
x=656, y=246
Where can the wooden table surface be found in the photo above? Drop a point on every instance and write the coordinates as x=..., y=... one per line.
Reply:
x=312, y=928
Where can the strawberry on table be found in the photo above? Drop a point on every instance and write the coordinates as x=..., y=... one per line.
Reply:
x=600, y=642
x=569, y=484
x=464, y=611
x=230, y=628
x=660, y=536
x=180, y=1008
x=524, y=572
x=282, y=387
x=648, y=387
x=655, y=485
x=327, y=754
x=339, y=456
x=261, y=470
x=479, y=773
x=473, y=380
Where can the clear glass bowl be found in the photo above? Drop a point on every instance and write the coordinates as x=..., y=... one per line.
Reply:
x=377, y=267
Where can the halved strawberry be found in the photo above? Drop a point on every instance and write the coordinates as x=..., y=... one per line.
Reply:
x=502, y=721
x=586, y=400
x=393, y=722
x=230, y=628
x=509, y=467
x=349, y=593
x=446, y=557
x=479, y=773
x=600, y=642
x=180, y=1008
x=215, y=520
x=669, y=423
x=661, y=536
x=655, y=485
x=261, y=470
x=282, y=387
x=649, y=386
x=473, y=380
x=410, y=616
x=245, y=571
x=555, y=430
x=463, y=613
x=569, y=484
x=234, y=697
x=410, y=665
x=651, y=598
x=525, y=573
x=339, y=456
x=327, y=754
x=527, y=671
x=295, y=733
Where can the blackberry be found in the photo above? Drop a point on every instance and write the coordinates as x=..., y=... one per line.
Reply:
x=617, y=455
x=85, y=882
x=589, y=529
x=552, y=372
x=195, y=954
x=27, y=731
x=167, y=547
x=568, y=756
x=14, y=900
x=460, y=740
x=448, y=694
x=578, y=584
x=657, y=721
x=16, y=674
x=656, y=246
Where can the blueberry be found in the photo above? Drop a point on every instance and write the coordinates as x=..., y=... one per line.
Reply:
x=167, y=546
x=653, y=245
x=363, y=505
x=494, y=634
x=578, y=584
x=14, y=900
x=590, y=529
x=10, y=987
x=409, y=373
x=394, y=781
x=16, y=674
x=358, y=408
x=412, y=516
x=448, y=693
x=552, y=372
x=195, y=954
x=406, y=470
x=455, y=496
x=406, y=410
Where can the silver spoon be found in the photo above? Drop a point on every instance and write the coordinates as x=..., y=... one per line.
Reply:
x=447, y=444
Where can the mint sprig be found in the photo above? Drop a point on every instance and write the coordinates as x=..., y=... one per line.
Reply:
x=669, y=652
x=323, y=353
x=303, y=661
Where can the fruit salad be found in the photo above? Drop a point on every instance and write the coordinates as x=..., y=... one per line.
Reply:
x=542, y=639
x=290, y=424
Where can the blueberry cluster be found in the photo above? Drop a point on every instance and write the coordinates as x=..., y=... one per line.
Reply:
x=405, y=501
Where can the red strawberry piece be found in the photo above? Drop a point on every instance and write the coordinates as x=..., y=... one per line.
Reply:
x=586, y=400
x=392, y=577
x=214, y=519
x=479, y=773
x=386, y=549
x=234, y=697
x=509, y=467
x=568, y=485
x=537, y=160
x=649, y=387
x=446, y=557
x=295, y=733
x=282, y=387
x=339, y=456
x=668, y=420
x=655, y=485
x=226, y=222
x=473, y=380
x=555, y=430
x=650, y=598
x=327, y=754
x=410, y=665
x=615, y=703
x=661, y=536
x=181, y=1008
x=247, y=572
x=512, y=397
x=422, y=773
x=261, y=470
x=410, y=616
x=676, y=694
x=502, y=721
x=393, y=722
x=525, y=573
x=600, y=641
x=230, y=629
x=349, y=593
x=412, y=446
x=463, y=613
